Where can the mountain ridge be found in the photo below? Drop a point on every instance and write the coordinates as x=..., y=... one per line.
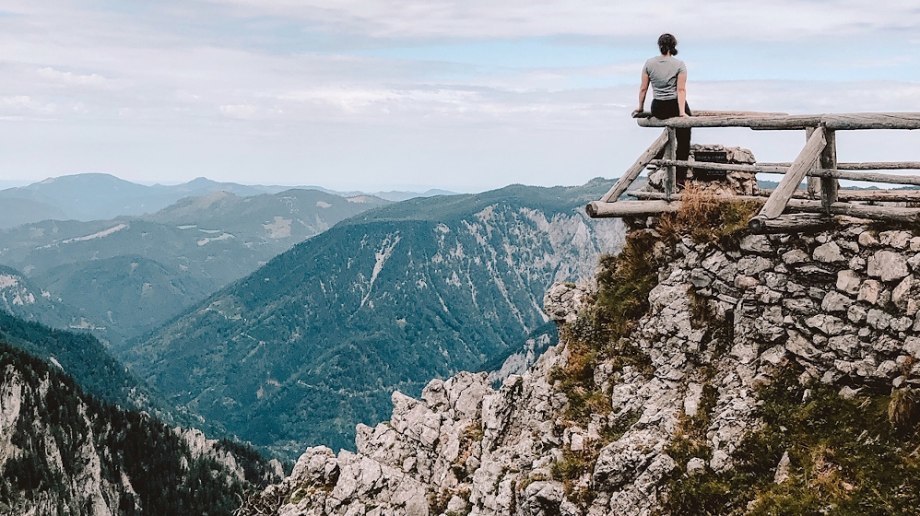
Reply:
x=130, y=274
x=382, y=300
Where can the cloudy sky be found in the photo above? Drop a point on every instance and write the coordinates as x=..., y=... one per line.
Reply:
x=464, y=95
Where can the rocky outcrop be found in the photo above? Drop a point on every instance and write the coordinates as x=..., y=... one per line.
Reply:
x=64, y=452
x=840, y=308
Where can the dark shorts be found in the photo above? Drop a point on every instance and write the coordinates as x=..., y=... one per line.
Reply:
x=662, y=109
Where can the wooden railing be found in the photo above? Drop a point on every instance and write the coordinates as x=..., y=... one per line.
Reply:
x=786, y=204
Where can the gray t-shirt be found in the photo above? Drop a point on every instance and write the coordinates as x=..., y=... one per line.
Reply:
x=662, y=73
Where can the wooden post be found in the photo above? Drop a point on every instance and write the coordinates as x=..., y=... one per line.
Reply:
x=814, y=184
x=829, y=185
x=793, y=178
x=670, y=183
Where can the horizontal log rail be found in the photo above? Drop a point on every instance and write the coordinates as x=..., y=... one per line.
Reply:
x=843, y=170
x=837, y=121
x=868, y=165
x=843, y=195
x=872, y=177
x=658, y=207
x=863, y=195
x=703, y=112
x=728, y=167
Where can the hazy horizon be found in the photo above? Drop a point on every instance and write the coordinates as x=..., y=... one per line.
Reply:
x=365, y=95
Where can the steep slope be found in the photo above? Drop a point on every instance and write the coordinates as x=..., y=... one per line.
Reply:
x=86, y=360
x=15, y=211
x=323, y=333
x=63, y=452
x=125, y=295
x=130, y=275
x=21, y=297
x=710, y=373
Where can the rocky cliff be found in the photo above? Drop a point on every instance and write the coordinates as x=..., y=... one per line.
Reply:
x=64, y=452
x=709, y=373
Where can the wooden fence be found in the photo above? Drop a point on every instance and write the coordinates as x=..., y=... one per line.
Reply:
x=787, y=207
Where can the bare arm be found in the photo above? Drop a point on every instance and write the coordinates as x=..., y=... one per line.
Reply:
x=682, y=92
x=643, y=90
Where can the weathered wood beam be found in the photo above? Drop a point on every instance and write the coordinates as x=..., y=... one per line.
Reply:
x=814, y=183
x=828, y=161
x=843, y=195
x=793, y=177
x=792, y=223
x=633, y=172
x=599, y=209
x=866, y=165
x=705, y=165
x=670, y=153
x=862, y=195
x=835, y=121
x=851, y=121
x=865, y=211
x=754, y=122
x=704, y=112
x=842, y=171
x=661, y=196
x=880, y=165
x=873, y=177
x=656, y=207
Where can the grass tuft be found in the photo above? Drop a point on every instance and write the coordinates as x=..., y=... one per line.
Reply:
x=845, y=458
x=706, y=217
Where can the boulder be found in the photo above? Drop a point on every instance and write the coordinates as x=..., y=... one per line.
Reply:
x=887, y=266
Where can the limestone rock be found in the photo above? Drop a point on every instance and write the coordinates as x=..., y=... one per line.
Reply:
x=563, y=301
x=896, y=239
x=782, y=469
x=887, y=266
x=869, y=292
x=828, y=253
x=696, y=466
x=848, y=281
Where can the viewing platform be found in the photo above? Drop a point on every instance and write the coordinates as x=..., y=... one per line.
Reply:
x=787, y=208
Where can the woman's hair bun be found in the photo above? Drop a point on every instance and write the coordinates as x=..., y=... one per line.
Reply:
x=667, y=43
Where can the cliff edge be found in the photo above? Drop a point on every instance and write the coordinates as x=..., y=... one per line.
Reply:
x=711, y=372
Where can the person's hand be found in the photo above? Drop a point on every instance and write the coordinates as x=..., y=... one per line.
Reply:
x=637, y=112
x=684, y=115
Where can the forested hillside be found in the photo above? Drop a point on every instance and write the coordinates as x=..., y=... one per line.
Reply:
x=64, y=452
x=82, y=357
x=318, y=339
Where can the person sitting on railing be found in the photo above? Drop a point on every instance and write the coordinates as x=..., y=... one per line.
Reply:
x=668, y=77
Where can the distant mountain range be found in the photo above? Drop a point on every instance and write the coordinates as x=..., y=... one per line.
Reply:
x=126, y=276
x=316, y=341
x=86, y=197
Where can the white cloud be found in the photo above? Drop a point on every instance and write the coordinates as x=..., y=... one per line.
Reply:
x=91, y=80
x=713, y=19
x=24, y=104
